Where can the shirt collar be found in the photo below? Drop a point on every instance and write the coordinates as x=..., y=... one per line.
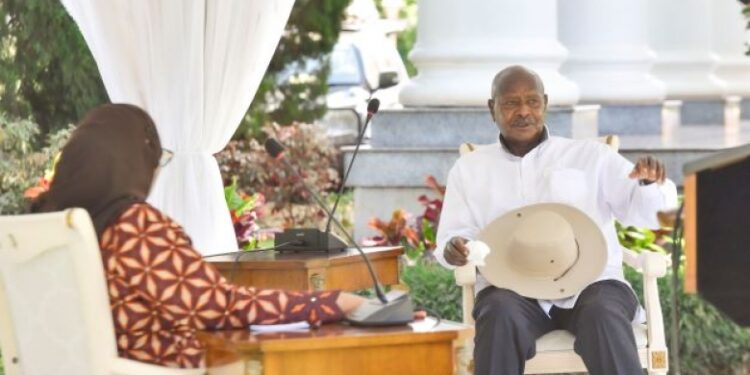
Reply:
x=537, y=149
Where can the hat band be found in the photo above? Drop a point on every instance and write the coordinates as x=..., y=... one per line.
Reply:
x=578, y=255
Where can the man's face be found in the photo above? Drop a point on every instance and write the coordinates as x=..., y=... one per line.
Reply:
x=519, y=111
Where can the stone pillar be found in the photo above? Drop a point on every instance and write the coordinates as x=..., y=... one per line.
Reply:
x=610, y=61
x=462, y=44
x=680, y=34
x=729, y=37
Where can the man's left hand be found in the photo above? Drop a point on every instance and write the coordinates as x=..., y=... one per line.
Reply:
x=648, y=169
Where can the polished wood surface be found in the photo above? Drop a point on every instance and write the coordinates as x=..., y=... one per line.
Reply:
x=691, y=238
x=338, y=349
x=311, y=271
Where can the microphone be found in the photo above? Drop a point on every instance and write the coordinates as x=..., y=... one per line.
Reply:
x=304, y=239
x=307, y=235
x=372, y=109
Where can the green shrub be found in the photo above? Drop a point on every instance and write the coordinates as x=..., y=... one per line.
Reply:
x=22, y=161
x=710, y=343
x=433, y=287
x=307, y=149
x=47, y=72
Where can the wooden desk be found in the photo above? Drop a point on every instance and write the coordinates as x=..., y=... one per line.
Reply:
x=338, y=349
x=311, y=271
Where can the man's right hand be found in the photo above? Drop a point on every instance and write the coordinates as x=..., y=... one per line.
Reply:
x=456, y=252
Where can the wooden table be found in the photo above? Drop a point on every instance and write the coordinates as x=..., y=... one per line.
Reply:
x=338, y=349
x=311, y=271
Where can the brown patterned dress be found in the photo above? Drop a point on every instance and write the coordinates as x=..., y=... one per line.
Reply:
x=161, y=291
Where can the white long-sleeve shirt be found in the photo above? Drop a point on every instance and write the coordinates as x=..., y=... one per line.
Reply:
x=490, y=181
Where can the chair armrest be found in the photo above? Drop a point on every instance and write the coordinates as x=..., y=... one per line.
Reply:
x=630, y=258
x=653, y=266
x=122, y=366
x=466, y=275
x=650, y=263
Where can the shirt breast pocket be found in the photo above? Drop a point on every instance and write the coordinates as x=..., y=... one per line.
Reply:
x=568, y=185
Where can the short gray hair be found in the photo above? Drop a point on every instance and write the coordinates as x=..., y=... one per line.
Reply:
x=511, y=74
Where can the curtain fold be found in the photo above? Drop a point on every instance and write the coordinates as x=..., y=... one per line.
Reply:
x=195, y=66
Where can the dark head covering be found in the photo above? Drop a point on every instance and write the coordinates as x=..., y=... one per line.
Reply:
x=107, y=165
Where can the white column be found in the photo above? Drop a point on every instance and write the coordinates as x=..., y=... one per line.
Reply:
x=680, y=34
x=461, y=45
x=609, y=59
x=729, y=38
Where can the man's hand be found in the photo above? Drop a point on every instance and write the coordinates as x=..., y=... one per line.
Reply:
x=456, y=251
x=648, y=169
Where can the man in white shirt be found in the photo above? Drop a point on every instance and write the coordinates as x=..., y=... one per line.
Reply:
x=529, y=166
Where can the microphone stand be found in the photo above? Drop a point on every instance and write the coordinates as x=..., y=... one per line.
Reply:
x=376, y=282
x=370, y=115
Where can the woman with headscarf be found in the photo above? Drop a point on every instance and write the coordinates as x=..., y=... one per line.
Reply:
x=161, y=290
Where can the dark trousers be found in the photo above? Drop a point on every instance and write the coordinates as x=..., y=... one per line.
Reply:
x=508, y=325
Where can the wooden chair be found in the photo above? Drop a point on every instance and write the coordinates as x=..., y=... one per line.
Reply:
x=555, y=350
x=54, y=307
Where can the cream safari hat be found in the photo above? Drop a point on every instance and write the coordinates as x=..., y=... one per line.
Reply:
x=543, y=251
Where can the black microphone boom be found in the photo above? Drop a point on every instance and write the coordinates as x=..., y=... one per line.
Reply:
x=312, y=237
x=372, y=109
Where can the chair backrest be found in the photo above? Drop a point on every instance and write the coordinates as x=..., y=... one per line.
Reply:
x=54, y=307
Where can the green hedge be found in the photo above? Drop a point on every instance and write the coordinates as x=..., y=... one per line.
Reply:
x=710, y=343
x=434, y=288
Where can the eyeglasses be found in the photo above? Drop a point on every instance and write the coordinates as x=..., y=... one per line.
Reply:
x=166, y=157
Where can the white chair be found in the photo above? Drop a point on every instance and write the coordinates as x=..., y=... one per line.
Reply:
x=54, y=307
x=555, y=350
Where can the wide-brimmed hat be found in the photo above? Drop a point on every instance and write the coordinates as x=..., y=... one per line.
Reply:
x=544, y=251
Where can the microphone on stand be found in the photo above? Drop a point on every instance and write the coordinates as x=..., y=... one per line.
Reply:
x=311, y=238
x=302, y=239
x=372, y=109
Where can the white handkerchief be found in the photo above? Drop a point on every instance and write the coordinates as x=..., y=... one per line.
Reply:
x=478, y=250
x=296, y=326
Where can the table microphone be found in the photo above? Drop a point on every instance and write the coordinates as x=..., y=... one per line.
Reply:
x=372, y=108
x=276, y=150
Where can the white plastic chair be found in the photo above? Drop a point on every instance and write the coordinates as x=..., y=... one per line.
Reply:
x=554, y=351
x=54, y=307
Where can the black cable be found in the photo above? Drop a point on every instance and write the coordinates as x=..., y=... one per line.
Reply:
x=676, y=255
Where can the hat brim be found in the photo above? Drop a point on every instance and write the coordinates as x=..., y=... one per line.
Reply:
x=590, y=265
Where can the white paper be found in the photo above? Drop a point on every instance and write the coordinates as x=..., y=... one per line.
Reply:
x=425, y=325
x=478, y=250
x=296, y=326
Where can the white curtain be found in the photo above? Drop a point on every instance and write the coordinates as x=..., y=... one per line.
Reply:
x=195, y=66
